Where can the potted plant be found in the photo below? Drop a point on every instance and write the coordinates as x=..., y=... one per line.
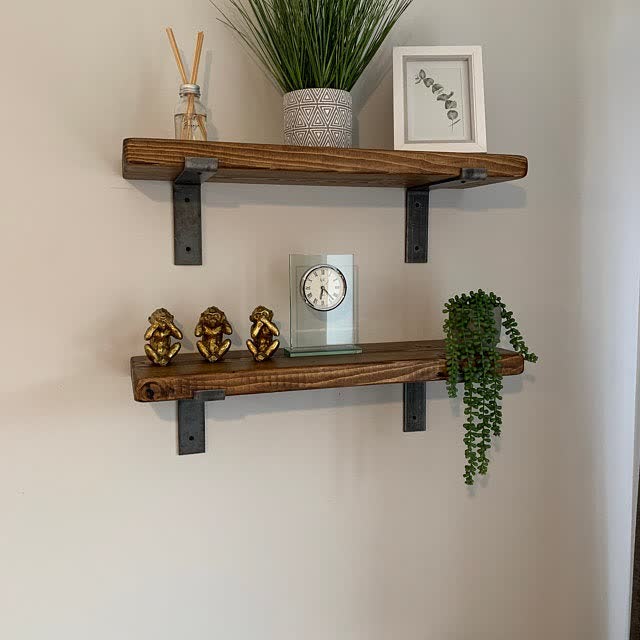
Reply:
x=472, y=333
x=315, y=50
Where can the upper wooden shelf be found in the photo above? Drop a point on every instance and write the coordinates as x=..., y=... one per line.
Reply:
x=238, y=374
x=155, y=159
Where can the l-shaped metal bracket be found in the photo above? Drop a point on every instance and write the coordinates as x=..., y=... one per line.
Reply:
x=187, y=209
x=191, y=430
x=417, y=211
x=415, y=407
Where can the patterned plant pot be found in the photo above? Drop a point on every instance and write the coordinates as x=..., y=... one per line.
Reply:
x=318, y=118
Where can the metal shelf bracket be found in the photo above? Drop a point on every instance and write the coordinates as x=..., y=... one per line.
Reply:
x=415, y=407
x=187, y=209
x=191, y=430
x=417, y=212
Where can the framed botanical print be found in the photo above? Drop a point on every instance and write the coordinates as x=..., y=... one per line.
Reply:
x=438, y=99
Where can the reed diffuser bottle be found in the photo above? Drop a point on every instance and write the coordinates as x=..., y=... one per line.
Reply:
x=190, y=116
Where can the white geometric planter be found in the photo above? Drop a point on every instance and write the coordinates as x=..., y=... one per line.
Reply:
x=318, y=118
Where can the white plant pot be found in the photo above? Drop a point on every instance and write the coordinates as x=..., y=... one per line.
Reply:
x=318, y=118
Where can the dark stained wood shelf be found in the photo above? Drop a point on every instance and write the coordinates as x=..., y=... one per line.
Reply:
x=238, y=374
x=155, y=159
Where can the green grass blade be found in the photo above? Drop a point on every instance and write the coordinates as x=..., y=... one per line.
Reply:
x=313, y=43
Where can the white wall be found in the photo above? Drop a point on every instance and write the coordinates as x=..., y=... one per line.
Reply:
x=311, y=513
x=610, y=278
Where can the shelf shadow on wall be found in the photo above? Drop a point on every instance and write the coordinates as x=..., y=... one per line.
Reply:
x=236, y=195
x=489, y=198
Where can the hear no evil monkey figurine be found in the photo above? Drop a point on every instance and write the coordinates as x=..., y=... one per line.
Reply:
x=262, y=345
x=158, y=335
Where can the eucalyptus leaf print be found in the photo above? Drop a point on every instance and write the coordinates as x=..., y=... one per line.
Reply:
x=451, y=109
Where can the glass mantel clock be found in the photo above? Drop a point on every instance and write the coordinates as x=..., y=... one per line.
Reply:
x=323, y=294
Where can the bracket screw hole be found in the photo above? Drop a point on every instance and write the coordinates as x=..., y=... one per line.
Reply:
x=187, y=249
x=463, y=181
x=417, y=205
x=187, y=199
x=416, y=248
x=415, y=417
x=191, y=438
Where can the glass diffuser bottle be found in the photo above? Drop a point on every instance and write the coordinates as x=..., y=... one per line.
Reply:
x=190, y=116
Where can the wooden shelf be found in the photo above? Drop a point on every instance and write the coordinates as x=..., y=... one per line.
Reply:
x=238, y=374
x=155, y=159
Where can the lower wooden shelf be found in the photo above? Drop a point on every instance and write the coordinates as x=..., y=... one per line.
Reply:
x=238, y=374
x=193, y=382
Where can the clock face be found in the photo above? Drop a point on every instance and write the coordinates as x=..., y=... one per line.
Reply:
x=323, y=287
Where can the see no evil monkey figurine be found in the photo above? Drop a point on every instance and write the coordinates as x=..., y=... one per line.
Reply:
x=158, y=335
x=213, y=325
x=262, y=345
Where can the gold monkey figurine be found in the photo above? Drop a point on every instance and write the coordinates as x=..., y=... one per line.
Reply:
x=213, y=325
x=262, y=345
x=158, y=335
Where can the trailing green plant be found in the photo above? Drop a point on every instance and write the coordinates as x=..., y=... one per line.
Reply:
x=313, y=43
x=471, y=345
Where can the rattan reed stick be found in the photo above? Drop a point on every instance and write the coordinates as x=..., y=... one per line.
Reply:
x=196, y=57
x=176, y=53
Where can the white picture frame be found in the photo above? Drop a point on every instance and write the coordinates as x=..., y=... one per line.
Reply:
x=421, y=120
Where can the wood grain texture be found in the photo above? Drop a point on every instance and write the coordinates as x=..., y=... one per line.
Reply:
x=238, y=374
x=155, y=159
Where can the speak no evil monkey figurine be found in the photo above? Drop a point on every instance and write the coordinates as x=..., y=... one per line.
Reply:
x=212, y=326
x=158, y=335
x=262, y=345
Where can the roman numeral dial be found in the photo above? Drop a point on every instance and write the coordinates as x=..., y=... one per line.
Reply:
x=323, y=287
